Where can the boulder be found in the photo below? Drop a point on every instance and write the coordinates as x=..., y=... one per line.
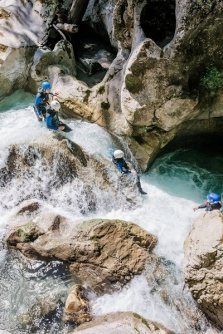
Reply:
x=61, y=57
x=103, y=254
x=58, y=163
x=122, y=323
x=77, y=306
x=14, y=68
x=47, y=151
x=22, y=26
x=203, y=264
x=41, y=309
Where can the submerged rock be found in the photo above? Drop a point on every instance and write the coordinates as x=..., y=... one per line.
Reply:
x=55, y=162
x=103, y=254
x=203, y=264
x=122, y=323
x=163, y=276
x=77, y=306
x=41, y=309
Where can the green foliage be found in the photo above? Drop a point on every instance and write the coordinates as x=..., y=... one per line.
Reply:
x=213, y=79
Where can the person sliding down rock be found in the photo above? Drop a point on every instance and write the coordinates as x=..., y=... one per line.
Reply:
x=52, y=119
x=42, y=100
x=124, y=168
x=213, y=202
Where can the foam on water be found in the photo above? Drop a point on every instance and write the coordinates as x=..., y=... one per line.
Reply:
x=174, y=188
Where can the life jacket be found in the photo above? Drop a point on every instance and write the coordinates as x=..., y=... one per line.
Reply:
x=121, y=165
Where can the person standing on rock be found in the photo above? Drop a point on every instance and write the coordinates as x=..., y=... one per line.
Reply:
x=42, y=100
x=213, y=202
x=125, y=168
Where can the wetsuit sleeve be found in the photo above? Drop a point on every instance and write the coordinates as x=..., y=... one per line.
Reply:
x=38, y=101
x=202, y=206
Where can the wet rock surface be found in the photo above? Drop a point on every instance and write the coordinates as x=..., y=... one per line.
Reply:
x=101, y=253
x=203, y=264
x=77, y=306
x=122, y=323
x=55, y=163
x=158, y=78
x=163, y=276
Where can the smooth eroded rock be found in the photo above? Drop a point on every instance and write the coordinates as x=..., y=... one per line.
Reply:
x=122, y=323
x=77, y=306
x=204, y=262
x=103, y=254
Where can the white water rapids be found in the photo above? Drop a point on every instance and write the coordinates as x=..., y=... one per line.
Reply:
x=166, y=212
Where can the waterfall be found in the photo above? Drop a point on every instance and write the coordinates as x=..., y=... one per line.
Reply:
x=166, y=212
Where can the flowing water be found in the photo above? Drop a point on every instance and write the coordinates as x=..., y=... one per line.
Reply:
x=175, y=184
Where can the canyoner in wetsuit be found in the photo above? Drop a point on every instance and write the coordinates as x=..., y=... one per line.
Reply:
x=123, y=167
x=52, y=118
x=213, y=202
x=42, y=100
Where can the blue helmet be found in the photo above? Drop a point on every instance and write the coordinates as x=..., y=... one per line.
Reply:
x=46, y=85
x=213, y=197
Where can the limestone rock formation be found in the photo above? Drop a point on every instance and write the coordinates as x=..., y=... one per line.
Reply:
x=101, y=253
x=77, y=306
x=122, y=323
x=164, y=77
x=159, y=83
x=44, y=59
x=21, y=27
x=14, y=68
x=24, y=25
x=203, y=264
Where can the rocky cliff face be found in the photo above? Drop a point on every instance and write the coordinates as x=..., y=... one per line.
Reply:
x=147, y=70
x=203, y=264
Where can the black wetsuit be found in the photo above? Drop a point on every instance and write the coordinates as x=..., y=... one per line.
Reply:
x=210, y=206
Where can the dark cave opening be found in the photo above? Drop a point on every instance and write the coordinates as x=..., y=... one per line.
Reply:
x=207, y=142
x=94, y=54
x=158, y=21
x=92, y=48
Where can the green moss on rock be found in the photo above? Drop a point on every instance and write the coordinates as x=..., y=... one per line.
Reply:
x=133, y=83
x=213, y=79
x=28, y=232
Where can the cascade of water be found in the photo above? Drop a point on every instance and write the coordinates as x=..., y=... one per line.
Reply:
x=166, y=212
